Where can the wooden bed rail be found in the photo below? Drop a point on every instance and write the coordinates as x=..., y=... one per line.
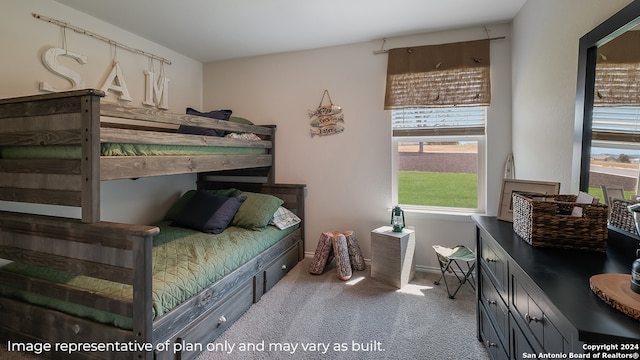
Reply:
x=112, y=251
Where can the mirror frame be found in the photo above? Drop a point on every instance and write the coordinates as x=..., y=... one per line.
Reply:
x=617, y=24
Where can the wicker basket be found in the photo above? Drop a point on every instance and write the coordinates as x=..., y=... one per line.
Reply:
x=545, y=220
x=621, y=217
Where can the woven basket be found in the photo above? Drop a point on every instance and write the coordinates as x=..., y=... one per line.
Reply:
x=621, y=217
x=549, y=223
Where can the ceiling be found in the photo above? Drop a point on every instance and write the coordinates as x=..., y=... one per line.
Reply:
x=213, y=30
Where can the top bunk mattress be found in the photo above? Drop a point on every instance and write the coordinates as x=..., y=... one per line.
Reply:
x=68, y=152
x=184, y=262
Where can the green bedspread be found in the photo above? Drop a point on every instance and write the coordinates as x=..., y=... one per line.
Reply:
x=119, y=149
x=184, y=263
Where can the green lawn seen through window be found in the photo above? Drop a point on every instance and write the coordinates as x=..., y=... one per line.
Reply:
x=426, y=188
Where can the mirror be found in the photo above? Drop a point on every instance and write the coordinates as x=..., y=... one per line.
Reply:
x=613, y=27
x=618, y=24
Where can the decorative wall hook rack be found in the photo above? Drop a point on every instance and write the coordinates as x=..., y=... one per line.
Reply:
x=66, y=25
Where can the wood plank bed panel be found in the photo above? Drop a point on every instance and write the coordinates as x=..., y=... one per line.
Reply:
x=45, y=136
x=42, y=181
x=122, y=307
x=30, y=166
x=77, y=250
x=44, y=104
x=125, y=167
x=116, y=235
x=41, y=196
x=64, y=263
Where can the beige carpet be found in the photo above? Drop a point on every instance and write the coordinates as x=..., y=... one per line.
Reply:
x=321, y=317
x=357, y=319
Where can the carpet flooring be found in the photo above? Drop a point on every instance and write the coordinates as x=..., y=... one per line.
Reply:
x=321, y=317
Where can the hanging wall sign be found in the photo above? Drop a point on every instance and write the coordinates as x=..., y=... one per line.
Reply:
x=156, y=92
x=326, y=119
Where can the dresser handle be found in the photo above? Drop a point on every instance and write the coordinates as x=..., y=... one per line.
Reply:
x=489, y=260
x=530, y=318
x=222, y=320
x=491, y=302
x=284, y=267
x=491, y=344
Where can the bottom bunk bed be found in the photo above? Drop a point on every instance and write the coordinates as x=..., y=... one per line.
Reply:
x=145, y=292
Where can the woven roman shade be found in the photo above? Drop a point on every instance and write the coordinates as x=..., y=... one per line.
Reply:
x=446, y=75
x=618, y=71
x=616, y=112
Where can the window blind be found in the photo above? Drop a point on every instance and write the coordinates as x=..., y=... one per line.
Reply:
x=616, y=123
x=452, y=121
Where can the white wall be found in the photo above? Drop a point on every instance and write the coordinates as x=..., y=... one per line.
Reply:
x=23, y=41
x=546, y=36
x=349, y=175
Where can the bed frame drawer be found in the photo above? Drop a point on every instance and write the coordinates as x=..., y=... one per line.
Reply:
x=279, y=268
x=210, y=326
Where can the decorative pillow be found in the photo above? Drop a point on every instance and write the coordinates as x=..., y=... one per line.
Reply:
x=284, y=218
x=256, y=212
x=182, y=202
x=240, y=120
x=208, y=212
x=197, y=130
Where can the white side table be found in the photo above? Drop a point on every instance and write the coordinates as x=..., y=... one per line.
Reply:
x=392, y=256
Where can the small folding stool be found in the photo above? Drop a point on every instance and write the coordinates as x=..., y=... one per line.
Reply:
x=449, y=259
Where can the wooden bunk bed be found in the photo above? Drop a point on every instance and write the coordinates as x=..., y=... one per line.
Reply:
x=122, y=253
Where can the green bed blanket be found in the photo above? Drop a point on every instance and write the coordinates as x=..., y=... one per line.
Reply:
x=67, y=152
x=184, y=263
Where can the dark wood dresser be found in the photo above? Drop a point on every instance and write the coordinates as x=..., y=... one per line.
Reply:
x=533, y=300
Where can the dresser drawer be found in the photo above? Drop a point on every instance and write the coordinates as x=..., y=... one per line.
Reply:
x=495, y=306
x=527, y=310
x=494, y=259
x=519, y=343
x=495, y=346
x=279, y=268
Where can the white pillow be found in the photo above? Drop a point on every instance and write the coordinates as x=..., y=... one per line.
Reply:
x=283, y=218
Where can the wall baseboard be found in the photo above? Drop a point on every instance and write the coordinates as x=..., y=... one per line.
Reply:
x=420, y=268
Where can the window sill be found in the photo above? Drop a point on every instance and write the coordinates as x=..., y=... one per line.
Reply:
x=463, y=215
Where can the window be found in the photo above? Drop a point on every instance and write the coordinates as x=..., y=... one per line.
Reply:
x=615, y=148
x=438, y=157
x=438, y=95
